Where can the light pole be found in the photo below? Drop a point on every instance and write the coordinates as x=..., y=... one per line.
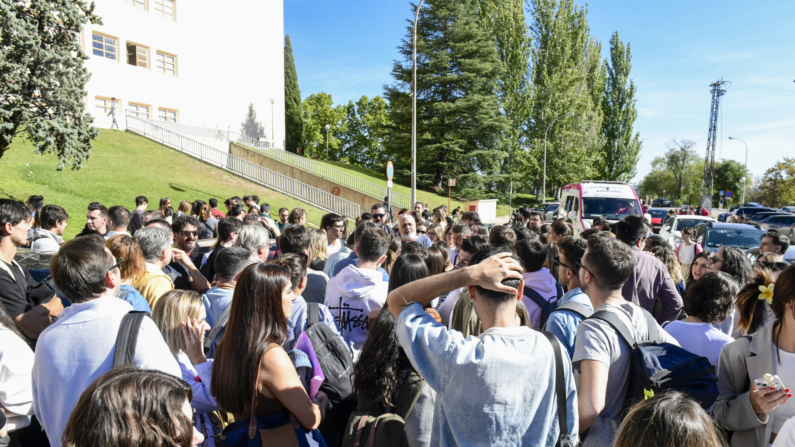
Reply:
x=327, y=129
x=544, y=181
x=745, y=169
x=414, y=111
x=273, y=135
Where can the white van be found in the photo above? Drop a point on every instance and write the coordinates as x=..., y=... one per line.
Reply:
x=582, y=202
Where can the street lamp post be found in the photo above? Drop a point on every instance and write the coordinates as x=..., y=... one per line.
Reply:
x=327, y=129
x=745, y=169
x=544, y=181
x=273, y=135
x=414, y=111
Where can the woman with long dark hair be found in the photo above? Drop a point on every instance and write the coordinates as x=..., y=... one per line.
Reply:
x=702, y=264
x=129, y=407
x=253, y=377
x=732, y=260
x=756, y=415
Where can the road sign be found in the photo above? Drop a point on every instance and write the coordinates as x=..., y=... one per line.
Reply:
x=720, y=193
x=390, y=170
x=389, y=183
x=728, y=193
x=451, y=182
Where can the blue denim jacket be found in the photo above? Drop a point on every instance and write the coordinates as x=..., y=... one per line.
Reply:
x=494, y=390
x=563, y=324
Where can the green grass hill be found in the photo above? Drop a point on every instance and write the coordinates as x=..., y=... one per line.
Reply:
x=122, y=166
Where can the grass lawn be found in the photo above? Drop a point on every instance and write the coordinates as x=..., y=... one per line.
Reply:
x=122, y=166
x=379, y=178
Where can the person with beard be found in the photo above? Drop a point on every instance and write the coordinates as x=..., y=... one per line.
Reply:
x=182, y=269
x=407, y=227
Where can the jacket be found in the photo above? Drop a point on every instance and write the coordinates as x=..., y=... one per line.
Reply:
x=741, y=362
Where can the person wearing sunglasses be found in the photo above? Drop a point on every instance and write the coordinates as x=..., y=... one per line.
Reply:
x=185, y=255
x=380, y=217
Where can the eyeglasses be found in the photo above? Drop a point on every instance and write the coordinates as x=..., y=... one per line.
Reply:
x=339, y=227
x=117, y=265
x=716, y=259
x=378, y=216
x=190, y=233
x=578, y=263
x=421, y=232
x=775, y=266
x=556, y=260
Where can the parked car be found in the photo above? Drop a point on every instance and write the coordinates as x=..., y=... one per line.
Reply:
x=549, y=210
x=783, y=223
x=759, y=217
x=714, y=235
x=661, y=202
x=751, y=211
x=672, y=230
x=788, y=208
x=657, y=216
x=751, y=204
x=753, y=254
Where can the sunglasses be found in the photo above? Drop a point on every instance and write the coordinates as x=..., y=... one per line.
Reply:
x=578, y=263
x=378, y=216
x=117, y=265
x=775, y=266
x=421, y=232
x=190, y=233
x=556, y=260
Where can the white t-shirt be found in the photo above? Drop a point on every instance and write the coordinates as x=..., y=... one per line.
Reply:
x=333, y=248
x=786, y=372
x=687, y=253
x=701, y=339
x=786, y=436
x=16, y=364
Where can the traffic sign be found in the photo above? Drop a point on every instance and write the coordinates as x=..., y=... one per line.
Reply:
x=389, y=183
x=390, y=170
x=720, y=193
x=728, y=193
x=451, y=182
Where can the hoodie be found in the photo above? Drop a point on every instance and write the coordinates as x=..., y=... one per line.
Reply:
x=544, y=283
x=351, y=296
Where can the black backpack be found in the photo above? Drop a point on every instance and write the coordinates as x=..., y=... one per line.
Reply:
x=127, y=339
x=547, y=307
x=657, y=367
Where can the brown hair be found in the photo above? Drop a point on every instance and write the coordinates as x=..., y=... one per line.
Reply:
x=204, y=213
x=80, y=267
x=128, y=407
x=256, y=319
x=783, y=294
x=124, y=246
x=163, y=205
x=184, y=207
x=748, y=304
x=295, y=215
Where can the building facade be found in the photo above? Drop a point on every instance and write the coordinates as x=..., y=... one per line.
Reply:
x=196, y=62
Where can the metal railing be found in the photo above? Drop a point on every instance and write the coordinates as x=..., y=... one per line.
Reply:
x=335, y=175
x=301, y=191
x=193, y=130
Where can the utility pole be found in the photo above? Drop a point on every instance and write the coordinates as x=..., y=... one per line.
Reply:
x=414, y=112
x=327, y=129
x=709, y=160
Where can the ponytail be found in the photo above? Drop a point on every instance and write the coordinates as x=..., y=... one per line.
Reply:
x=750, y=307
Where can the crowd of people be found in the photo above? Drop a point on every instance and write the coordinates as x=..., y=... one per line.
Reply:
x=421, y=329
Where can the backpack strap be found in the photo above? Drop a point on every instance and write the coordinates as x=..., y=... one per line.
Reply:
x=123, y=294
x=653, y=333
x=577, y=308
x=536, y=297
x=127, y=339
x=560, y=391
x=613, y=320
x=559, y=289
x=371, y=440
x=217, y=327
x=314, y=313
x=360, y=428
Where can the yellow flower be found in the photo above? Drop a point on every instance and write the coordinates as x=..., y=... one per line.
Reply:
x=767, y=293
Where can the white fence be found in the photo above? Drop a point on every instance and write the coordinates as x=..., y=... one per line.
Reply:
x=301, y=191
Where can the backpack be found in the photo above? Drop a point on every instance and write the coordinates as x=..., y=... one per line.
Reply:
x=575, y=307
x=337, y=365
x=371, y=426
x=547, y=307
x=127, y=339
x=657, y=367
x=212, y=339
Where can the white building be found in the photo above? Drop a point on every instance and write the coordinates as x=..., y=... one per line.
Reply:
x=197, y=62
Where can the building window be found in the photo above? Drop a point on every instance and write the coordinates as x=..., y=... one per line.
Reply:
x=168, y=115
x=140, y=4
x=102, y=105
x=139, y=110
x=137, y=55
x=104, y=46
x=165, y=8
x=167, y=64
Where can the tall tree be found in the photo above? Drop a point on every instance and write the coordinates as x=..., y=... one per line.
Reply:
x=678, y=173
x=293, y=115
x=621, y=150
x=458, y=117
x=250, y=126
x=366, y=121
x=319, y=111
x=565, y=70
x=44, y=78
x=777, y=187
x=727, y=178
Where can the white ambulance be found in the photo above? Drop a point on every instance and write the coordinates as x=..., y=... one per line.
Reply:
x=582, y=202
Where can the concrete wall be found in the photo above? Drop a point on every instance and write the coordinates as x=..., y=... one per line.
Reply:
x=365, y=201
x=229, y=54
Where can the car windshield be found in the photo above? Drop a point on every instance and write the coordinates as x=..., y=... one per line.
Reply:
x=681, y=224
x=743, y=238
x=609, y=208
x=658, y=213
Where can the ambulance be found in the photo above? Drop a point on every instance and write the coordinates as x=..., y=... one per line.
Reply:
x=582, y=202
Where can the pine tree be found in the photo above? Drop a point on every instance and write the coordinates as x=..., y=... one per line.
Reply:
x=621, y=150
x=44, y=78
x=565, y=77
x=293, y=114
x=250, y=126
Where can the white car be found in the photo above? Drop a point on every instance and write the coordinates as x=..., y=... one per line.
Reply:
x=672, y=230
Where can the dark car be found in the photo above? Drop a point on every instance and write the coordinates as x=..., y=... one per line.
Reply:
x=661, y=202
x=784, y=224
x=714, y=235
x=750, y=211
x=657, y=216
x=759, y=217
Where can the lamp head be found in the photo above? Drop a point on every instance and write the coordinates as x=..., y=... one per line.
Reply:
x=570, y=114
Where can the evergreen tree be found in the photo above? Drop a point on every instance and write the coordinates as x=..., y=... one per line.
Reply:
x=458, y=117
x=621, y=150
x=293, y=115
x=44, y=79
x=250, y=126
x=565, y=80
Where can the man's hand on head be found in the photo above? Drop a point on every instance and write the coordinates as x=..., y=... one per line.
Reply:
x=490, y=273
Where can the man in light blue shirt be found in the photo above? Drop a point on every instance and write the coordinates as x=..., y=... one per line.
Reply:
x=495, y=389
x=563, y=323
x=228, y=264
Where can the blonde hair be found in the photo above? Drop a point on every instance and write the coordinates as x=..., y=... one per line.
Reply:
x=319, y=244
x=437, y=230
x=668, y=257
x=184, y=207
x=170, y=311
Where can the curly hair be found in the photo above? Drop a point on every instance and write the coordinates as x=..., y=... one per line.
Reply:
x=711, y=298
x=748, y=304
x=382, y=364
x=736, y=264
x=668, y=257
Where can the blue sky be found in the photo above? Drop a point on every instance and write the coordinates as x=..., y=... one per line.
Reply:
x=347, y=48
